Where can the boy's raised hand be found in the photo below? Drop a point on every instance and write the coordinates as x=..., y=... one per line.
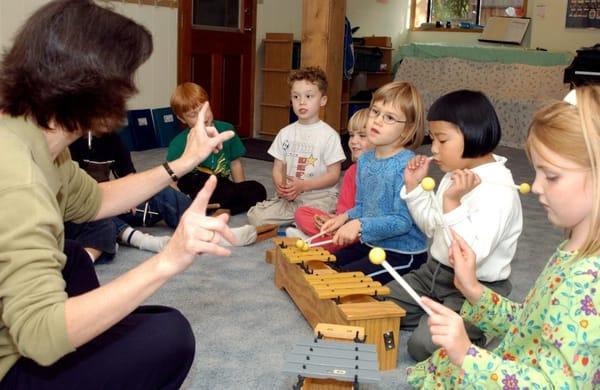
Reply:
x=202, y=140
x=448, y=331
x=463, y=260
x=196, y=234
x=416, y=169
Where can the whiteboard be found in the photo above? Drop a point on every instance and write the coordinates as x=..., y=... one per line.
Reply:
x=505, y=30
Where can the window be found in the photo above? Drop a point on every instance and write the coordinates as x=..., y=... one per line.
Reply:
x=475, y=12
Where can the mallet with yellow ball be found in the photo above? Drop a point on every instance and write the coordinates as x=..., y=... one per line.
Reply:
x=302, y=245
x=428, y=185
x=377, y=256
x=305, y=244
x=524, y=188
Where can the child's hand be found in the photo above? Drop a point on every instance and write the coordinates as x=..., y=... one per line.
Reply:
x=334, y=223
x=462, y=259
x=348, y=233
x=416, y=169
x=319, y=219
x=295, y=187
x=463, y=181
x=282, y=191
x=448, y=331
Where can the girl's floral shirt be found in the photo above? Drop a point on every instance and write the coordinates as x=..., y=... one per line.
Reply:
x=551, y=340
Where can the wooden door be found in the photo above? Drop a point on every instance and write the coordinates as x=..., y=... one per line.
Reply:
x=216, y=49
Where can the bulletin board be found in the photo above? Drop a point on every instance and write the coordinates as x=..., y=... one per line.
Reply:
x=583, y=14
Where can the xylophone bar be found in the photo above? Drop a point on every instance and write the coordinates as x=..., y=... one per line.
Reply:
x=331, y=276
x=345, y=292
x=332, y=372
x=310, y=257
x=343, y=283
x=326, y=361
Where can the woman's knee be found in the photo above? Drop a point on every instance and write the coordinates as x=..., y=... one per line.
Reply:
x=180, y=338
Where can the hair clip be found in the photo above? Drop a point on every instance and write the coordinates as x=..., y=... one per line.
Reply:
x=571, y=97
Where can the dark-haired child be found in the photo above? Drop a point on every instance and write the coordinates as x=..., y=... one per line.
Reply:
x=465, y=130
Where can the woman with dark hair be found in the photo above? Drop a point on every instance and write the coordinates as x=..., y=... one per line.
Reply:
x=70, y=70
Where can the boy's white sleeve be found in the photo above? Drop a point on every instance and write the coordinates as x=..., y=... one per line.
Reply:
x=333, y=151
x=276, y=149
x=421, y=209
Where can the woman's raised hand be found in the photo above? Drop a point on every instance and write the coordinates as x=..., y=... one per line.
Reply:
x=202, y=140
x=196, y=234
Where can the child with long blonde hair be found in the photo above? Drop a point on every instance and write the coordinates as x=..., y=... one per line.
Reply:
x=552, y=339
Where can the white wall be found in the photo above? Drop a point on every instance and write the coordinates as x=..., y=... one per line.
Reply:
x=273, y=16
x=155, y=79
x=381, y=18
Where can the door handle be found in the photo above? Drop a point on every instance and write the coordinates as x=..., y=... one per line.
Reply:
x=248, y=29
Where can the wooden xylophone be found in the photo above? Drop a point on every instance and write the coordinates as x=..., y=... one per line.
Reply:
x=350, y=298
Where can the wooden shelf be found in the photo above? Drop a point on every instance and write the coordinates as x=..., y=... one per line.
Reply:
x=275, y=104
x=373, y=81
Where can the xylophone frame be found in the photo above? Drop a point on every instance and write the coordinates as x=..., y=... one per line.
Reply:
x=381, y=320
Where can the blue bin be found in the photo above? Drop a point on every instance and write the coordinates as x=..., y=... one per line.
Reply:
x=166, y=125
x=127, y=137
x=141, y=126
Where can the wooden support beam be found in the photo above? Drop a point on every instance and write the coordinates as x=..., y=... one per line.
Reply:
x=323, y=45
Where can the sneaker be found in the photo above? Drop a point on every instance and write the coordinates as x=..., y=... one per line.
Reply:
x=246, y=235
x=294, y=232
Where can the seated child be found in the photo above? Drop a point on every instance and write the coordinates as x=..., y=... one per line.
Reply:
x=107, y=154
x=552, y=339
x=309, y=219
x=236, y=195
x=464, y=130
x=379, y=217
x=308, y=155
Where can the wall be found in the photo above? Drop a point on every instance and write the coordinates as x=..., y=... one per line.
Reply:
x=273, y=16
x=547, y=30
x=155, y=79
x=377, y=17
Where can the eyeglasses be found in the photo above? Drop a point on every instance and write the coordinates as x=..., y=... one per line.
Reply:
x=387, y=118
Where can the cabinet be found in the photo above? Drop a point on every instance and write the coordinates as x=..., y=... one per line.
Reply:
x=281, y=55
x=372, y=69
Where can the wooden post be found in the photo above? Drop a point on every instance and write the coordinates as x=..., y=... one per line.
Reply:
x=323, y=45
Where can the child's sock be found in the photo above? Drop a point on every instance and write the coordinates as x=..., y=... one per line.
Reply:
x=143, y=241
x=245, y=235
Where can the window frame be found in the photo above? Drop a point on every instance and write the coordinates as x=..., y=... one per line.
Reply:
x=419, y=13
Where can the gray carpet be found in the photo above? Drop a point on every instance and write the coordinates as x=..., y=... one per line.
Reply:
x=244, y=325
